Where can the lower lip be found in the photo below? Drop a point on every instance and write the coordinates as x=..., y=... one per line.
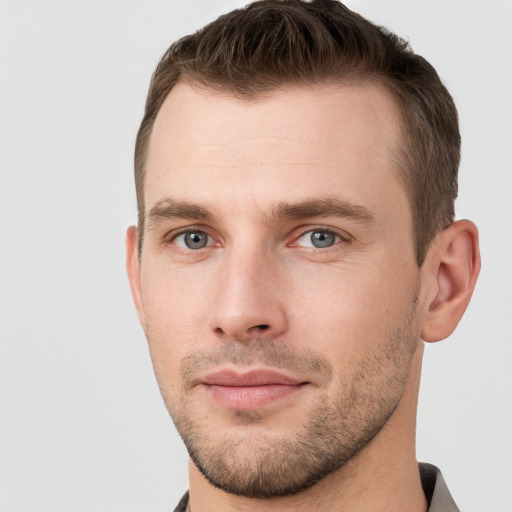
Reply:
x=250, y=397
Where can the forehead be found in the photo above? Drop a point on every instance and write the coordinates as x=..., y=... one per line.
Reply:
x=308, y=140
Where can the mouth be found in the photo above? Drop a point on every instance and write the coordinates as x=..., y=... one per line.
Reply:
x=250, y=390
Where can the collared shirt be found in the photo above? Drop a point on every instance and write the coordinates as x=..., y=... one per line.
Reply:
x=435, y=489
x=432, y=481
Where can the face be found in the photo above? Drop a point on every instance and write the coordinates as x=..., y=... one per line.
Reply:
x=277, y=284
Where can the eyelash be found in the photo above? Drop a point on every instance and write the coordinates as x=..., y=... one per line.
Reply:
x=171, y=238
x=341, y=235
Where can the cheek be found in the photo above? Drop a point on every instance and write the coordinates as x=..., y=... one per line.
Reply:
x=174, y=300
x=346, y=312
x=175, y=323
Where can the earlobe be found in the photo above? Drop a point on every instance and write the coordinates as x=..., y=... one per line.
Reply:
x=453, y=263
x=133, y=270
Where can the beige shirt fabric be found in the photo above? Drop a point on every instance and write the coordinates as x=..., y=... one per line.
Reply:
x=434, y=487
x=436, y=490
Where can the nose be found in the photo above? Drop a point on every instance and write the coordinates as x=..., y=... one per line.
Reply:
x=248, y=301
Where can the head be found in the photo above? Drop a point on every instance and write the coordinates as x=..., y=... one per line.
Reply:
x=296, y=170
x=273, y=44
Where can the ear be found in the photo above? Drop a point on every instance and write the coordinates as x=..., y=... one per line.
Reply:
x=133, y=269
x=452, y=266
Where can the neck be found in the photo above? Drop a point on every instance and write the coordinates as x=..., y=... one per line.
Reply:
x=382, y=476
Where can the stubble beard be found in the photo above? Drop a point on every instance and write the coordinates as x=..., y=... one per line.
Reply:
x=266, y=465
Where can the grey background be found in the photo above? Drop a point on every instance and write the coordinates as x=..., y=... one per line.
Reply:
x=82, y=425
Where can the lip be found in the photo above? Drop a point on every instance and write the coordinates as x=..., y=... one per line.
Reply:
x=253, y=389
x=260, y=377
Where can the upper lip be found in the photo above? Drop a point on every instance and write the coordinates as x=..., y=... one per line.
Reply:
x=256, y=377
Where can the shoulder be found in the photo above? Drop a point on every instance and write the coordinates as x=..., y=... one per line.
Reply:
x=182, y=505
x=436, y=490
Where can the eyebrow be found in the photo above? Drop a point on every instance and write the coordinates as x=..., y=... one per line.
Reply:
x=325, y=207
x=168, y=209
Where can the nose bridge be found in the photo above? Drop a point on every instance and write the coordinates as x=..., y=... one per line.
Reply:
x=248, y=302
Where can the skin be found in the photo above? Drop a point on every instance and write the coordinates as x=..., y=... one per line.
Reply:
x=346, y=320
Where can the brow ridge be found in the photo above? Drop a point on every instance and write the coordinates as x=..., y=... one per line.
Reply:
x=325, y=207
x=173, y=209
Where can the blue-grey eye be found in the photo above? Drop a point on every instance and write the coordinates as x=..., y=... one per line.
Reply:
x=192, y=240
x=318, y=238
x=322, y=239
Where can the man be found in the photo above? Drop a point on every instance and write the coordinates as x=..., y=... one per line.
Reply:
x=296, y=170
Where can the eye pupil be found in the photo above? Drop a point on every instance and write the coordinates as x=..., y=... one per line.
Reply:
x=322, y=239
x=196, y=240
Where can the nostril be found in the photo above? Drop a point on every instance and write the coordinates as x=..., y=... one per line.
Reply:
x=263, y=327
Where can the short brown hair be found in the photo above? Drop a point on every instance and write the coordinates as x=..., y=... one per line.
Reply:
x=275, y=43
